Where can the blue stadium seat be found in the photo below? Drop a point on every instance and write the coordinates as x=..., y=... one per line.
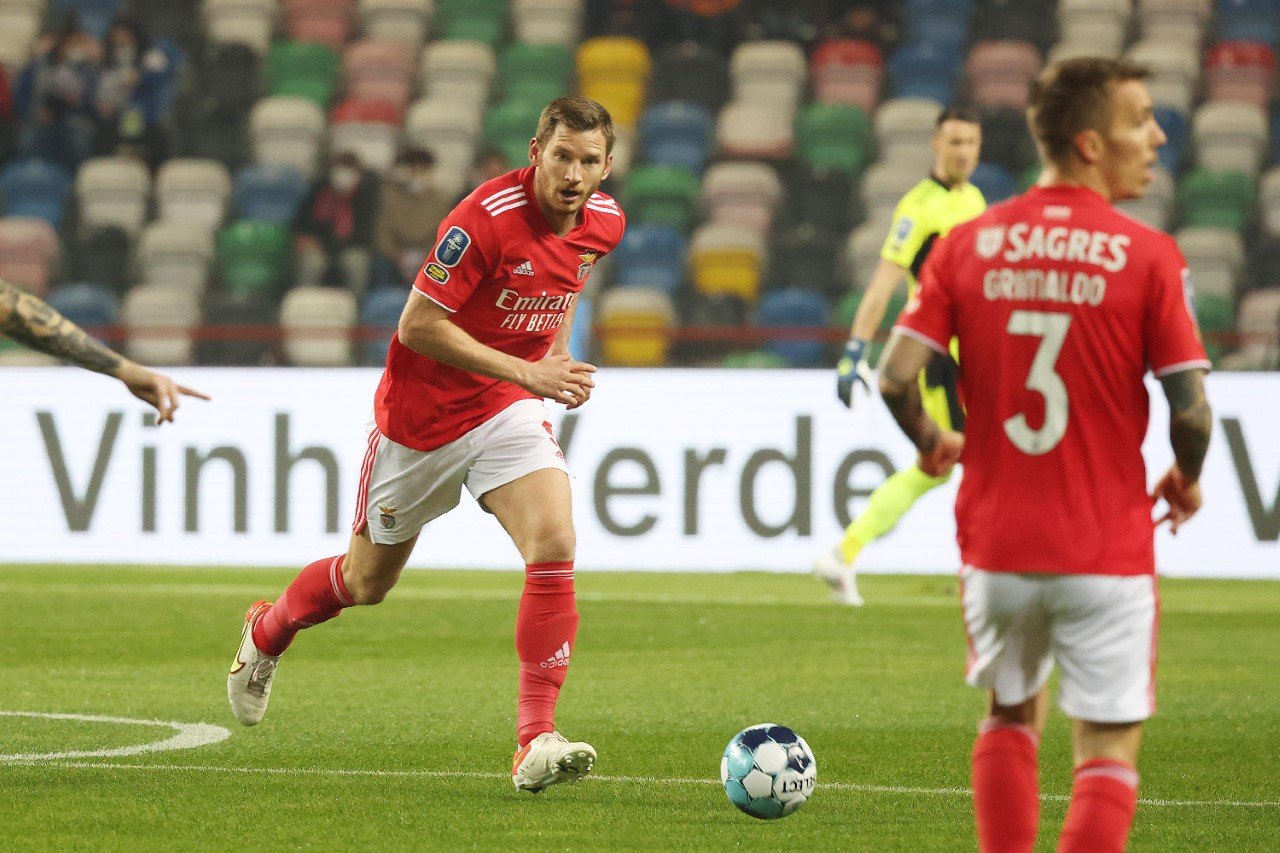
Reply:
x=925, y=71
x=1249, y=20
x=36, y=188
x=996, y=182
x=93, y=16
x=676, y=133
x=269, y=193
x=580, y=336
x=89, y=306
x=650, y=255
x=381, y=311
x=794, y=307
x=939, y=22
x=1176, y=128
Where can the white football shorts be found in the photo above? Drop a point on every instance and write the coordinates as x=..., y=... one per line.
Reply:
x=1099, y=629
x=402, y=489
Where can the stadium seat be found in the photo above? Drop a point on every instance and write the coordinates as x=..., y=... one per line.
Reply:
x=102, y=255
x=769, y=74
x=794, y=308
x=944, y=22
x=754, y=130
x=676, y=134
x=1175, y=71
x=691, y=72
x=1240, y=71
x=614, y=70
x=845, y=71
x=302, y=70
x=90, y=306
x=245, y=22
x=1106, y=43
x=995, y=181
x=287, y=132
x=1177, y=133
x=1249, y=20
x=1177, y=21
x=756, y=359
x=821, y=197
x=403, y=20
x=662, y=195
x=999, y=73
x=805, y=256
x=379, y=316
x=19, y=26
x=36, y=188
x=327, y=22
x=834, y=137
x=1215, y=257
x=1230, y=136
x=378, y=70
x=1264, y=262
x=1216, y=317
x=269, y=193
x=160, y=324
x=884, y=185
x=509, y=126
x=554, y=22
x=1101, y=23
x=113, y=191
x=727, y=259
x=234, y=324
x=193, y=191
x=1214, y=199
x=471, y=20
x=633, y=324
x=904, y=130
x=924, y=71
x=1269, y=202
x=1258, y=325
x=253, y=257
x=368, y=129
x=457, y=72
x=317, y=323
x=862, y=251
x=1156, y=207
x=650, y=256
x=449, y=134
x=744, y=195
x=535, y=72
x=173, y=254
x=28, y=252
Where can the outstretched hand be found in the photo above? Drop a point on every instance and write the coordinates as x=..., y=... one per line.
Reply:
x=1182, y=496
x=944, y=455
x=156, y=389
x=559, y=377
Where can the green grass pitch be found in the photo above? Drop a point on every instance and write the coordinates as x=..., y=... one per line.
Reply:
x=392, y=726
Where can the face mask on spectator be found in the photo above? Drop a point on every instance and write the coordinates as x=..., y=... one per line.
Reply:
x=344, y=179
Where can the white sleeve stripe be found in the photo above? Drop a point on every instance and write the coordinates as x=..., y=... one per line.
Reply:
x=504, y=201
x=602, y=199
x=421, y=292
x=612, y=210
x=922, y=338
x=501, y=193
x=521, y=203
x=1197, y=364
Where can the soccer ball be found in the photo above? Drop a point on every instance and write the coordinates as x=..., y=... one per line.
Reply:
x=768, y=771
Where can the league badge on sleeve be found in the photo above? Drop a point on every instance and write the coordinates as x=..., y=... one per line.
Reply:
x=452, y=246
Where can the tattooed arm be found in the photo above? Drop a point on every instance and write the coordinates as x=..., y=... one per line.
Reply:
x=1190, y=425
x=901, y=363
x=31, y=321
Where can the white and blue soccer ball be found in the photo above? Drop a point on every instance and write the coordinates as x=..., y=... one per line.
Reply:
x=768, y=771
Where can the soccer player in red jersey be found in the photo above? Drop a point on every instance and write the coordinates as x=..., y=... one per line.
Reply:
x=482, y=341
x=1061, y=303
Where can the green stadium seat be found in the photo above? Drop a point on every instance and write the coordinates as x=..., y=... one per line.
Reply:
x=834, y=136
x=253, y=258
x=302, y=70
x=471, y=20
x=508, y=127
x=1213, y=199
x=755, y=359
x=1216, y=314
x=531, y=72
x=662, y=195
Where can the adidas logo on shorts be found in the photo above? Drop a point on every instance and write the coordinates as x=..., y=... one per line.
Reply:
x=524, y=269
x=560, y=658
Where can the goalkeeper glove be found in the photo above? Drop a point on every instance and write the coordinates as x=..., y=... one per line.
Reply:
x=852, y=368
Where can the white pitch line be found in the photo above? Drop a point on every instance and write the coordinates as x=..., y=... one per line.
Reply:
x=638, y=780
x=189, y=736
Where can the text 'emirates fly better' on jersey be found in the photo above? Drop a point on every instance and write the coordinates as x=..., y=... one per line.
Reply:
x=508, y=280
x=1060, y=303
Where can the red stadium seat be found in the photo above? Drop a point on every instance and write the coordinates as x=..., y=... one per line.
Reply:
x=379, y=69
x=845, y=71
x=1242, y=71
x=1000, y=72
x=366, y=111
x=327, y=22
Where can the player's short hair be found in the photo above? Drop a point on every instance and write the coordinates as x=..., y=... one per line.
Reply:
x=577, y=114
x=1075, y=95
x=957, y=113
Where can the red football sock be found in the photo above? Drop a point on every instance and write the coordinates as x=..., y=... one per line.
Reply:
x=1104, y=797
x=316, y=595
x=546, y=626
x=1006, y=790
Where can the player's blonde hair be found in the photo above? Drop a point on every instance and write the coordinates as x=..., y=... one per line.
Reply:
x=1075, y=95
x=577, y=114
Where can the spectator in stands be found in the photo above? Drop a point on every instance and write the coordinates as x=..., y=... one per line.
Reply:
x=55, y=97
x=134, y=91
x=334, y=227
x=410, y=211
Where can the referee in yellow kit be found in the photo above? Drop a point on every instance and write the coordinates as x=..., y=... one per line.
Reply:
x=928, y=211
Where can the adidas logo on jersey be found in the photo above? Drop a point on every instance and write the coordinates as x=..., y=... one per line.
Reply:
x=524, y=269
x=560, y=658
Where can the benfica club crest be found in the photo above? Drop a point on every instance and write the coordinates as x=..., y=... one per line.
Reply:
x=387, y=515
x=990, y=242
x=584, y=269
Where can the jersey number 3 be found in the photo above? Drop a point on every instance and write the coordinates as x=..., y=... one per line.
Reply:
x=1051, y=328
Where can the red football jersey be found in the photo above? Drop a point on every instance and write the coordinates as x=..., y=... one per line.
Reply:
x=508, y=280
x=1060, y=303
